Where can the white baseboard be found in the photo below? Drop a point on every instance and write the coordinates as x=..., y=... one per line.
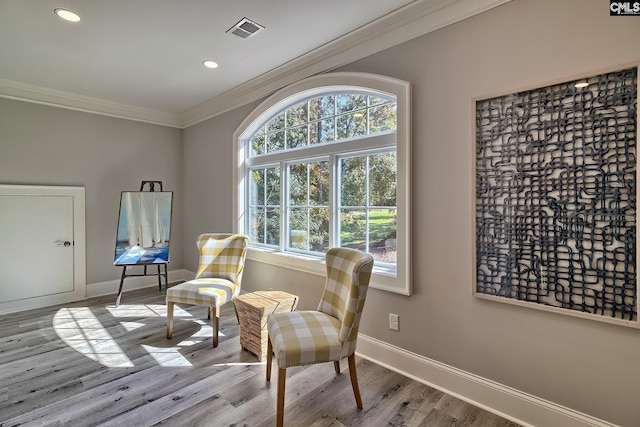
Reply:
x=131, y=283
x=507, y=402
x=93, y=290
x=9, y=307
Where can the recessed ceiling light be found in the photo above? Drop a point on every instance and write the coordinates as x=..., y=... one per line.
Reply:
x=580, y=85
x=210, y=64
x=67, y=15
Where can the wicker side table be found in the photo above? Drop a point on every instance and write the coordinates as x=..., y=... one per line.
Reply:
x=253, y=309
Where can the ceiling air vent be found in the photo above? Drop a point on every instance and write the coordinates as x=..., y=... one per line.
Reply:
x=245, y=28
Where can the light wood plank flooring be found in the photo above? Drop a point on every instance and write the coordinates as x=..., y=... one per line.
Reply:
x=88, y=363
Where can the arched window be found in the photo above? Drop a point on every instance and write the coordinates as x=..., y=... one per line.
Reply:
x=325, y=163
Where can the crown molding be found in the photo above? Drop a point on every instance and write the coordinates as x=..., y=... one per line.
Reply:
x=414, y=20
x=40, y=95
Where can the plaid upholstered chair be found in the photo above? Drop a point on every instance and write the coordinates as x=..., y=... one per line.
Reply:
x=328, y=334
x=218, y=278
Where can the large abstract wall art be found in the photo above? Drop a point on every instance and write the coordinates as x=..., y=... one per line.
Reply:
x=144, y=227
x=556, y=197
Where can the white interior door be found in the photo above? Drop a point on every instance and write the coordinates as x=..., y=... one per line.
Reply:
x=34, y=258
x=39, y=247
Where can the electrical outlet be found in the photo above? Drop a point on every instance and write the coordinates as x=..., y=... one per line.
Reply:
x=394, y=322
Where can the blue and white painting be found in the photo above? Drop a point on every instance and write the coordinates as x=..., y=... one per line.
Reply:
x=144, y=227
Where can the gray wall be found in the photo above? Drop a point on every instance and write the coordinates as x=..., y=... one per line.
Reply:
x=585, y=365
x=43, y=145
x=208, y=177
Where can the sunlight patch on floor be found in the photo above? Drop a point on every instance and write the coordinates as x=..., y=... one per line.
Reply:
x=145, y=310
x=205, y=332
x=167, y=356
x=131, y=326
x=81, y=330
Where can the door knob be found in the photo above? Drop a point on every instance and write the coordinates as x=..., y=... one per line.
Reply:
x=66, y=243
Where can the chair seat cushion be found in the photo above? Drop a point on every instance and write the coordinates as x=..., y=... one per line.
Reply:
x=304, y=337
x=209, y=292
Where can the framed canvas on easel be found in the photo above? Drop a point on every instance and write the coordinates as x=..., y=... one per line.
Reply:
x=144, y=231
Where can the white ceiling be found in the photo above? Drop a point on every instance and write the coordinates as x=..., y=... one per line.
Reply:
x=142, y=59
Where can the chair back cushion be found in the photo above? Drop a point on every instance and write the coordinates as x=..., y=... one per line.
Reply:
x=222, y=256
x=348, y=275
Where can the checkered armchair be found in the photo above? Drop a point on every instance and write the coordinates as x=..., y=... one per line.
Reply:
x=217, y=280
x=328, y=334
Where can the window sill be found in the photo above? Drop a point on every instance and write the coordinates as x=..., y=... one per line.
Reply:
x=381, y=278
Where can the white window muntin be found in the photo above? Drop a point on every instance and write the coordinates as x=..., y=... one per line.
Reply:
x=380, y=140
x=248, y=193
x=334, y=206
x=352, y=147
x=398, y=281
x=308, y=95
x=369, y=93
x=337, y=205
x=285, y=222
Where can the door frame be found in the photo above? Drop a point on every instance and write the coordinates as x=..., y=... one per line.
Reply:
x=79, y=246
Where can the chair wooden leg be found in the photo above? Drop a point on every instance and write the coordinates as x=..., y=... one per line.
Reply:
x=169, y=319
x=236, y=309
x=269, y=358
x=336, y=366
x=354, y=380
x=215, y=323
x=208, y=313
x=282, y=376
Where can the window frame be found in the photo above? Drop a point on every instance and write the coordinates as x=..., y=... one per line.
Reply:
x=397, y=280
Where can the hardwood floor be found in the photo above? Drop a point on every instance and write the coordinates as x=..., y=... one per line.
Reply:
x=89, y=363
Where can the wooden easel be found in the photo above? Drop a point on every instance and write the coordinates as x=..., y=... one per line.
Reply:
x=151, y=185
